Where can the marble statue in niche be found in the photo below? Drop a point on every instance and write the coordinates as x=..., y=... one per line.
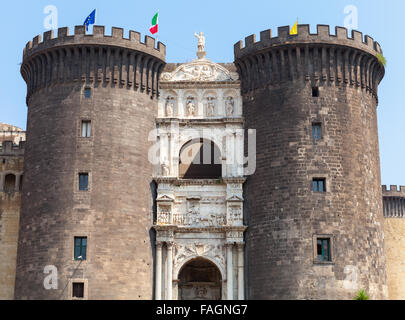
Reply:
x=210, y=107
x=169, y=107
x=230, y=106
x=191, y=108
x=165, y=169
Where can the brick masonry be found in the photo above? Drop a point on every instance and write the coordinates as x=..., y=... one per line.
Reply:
x=12, y=162
x=394, y=230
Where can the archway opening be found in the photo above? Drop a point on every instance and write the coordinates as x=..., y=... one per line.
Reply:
x=200, y=159
x=200, y=279
x=9, y=183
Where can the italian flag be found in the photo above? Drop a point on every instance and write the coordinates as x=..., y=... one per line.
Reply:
x=155, y=24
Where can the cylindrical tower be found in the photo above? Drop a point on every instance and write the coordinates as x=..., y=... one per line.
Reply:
x=87, y=199
x=313, y=206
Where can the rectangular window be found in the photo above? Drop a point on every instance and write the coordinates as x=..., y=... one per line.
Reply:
x=323, y=250
x=316, y=131
x=319, y=185
x=83, y=182
x=86, y=129
x=315, y=92
x=87, y=93
x=80, y=251
x=78, y=290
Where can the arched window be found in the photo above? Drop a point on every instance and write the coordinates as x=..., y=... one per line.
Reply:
x=9, y=183
x=200, y=159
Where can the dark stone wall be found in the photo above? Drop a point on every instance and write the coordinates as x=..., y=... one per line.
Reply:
x=284, y=215
x=116, y=213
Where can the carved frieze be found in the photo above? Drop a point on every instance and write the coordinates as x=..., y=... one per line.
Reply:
x=184, y=251
x=200, y=70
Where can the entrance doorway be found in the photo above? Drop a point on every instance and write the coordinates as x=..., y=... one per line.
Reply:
x=200, y=279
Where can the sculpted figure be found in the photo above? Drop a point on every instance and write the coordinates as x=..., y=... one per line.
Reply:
x=190, y=109
x=210, y=108
x=169, y=108
x=201, y=41
x=165, y=169
x=230, y=106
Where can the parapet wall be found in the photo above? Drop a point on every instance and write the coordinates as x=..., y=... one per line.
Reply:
x=93, y=59
x=394, y=201
x=8, y=148
x=322, y=36
x=97, y=38
x=322, y=58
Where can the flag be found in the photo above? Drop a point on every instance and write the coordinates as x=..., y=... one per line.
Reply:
x=155, y=24
x=91, y=19
x=294, y=29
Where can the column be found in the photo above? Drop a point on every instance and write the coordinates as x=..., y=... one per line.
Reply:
x=2, y=177
x=17, y=183
x=158, y=290
x=229, y=276
x=241, y=271
x=169, y=275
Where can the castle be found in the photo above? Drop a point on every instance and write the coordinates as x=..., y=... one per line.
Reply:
x=258, y=179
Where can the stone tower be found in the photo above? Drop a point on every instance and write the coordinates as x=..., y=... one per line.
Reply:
x=313, y=206
x=87, y=203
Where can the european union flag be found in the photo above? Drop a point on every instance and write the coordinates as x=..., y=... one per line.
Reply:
x=91, y=19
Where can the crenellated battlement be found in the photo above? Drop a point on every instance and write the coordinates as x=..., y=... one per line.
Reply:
x=94, y=60
x=321, y=58
x=394, y=201
x=9, y=148
x=322, y=36
x=98, y=37
x=393, y=191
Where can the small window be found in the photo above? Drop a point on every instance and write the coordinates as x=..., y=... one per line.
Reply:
x=78, y=290
x=9, y=183
x=319, y=185
x=316, y=131
x=21, y=182
x=323, y=249
x=87, y=93
x=80, y=251
x=86, y=129
x=83, y=182
x=4, y=161
x=315, y=92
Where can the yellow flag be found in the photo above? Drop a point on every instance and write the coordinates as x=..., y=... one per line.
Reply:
x=294, y=29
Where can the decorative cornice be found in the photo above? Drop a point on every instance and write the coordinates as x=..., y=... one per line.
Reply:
x=186, y=182
x=185, y=122
x=179, y=229
x=200, y=85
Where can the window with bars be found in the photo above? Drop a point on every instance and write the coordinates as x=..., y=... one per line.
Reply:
x=83, y=182
x=323, y=249
x=86, y=129
x=78, y=290
x=319, y=185
x=80, y=251
x=316, y=131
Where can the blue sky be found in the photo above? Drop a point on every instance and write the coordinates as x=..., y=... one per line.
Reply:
x=224, y=22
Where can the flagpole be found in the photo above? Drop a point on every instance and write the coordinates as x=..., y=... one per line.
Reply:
x=157, y=35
